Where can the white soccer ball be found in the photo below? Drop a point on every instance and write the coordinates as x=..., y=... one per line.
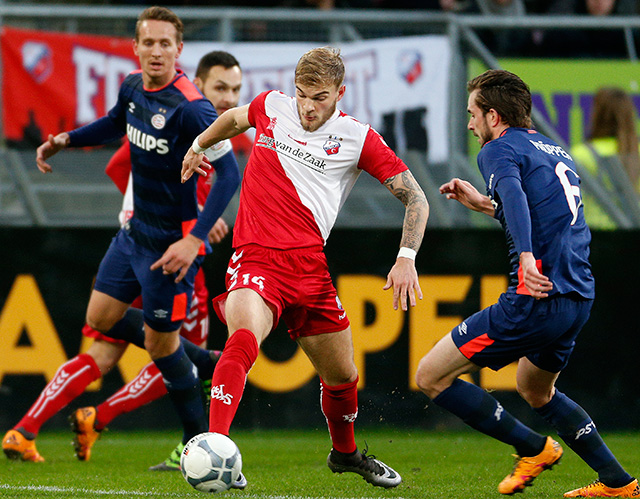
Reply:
x=211, y=462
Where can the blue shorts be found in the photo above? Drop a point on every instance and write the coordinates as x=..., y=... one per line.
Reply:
x=124, y=274
x=543, y=331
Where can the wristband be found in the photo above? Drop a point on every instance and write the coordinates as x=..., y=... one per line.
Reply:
x=407, y=253
x=196, y=147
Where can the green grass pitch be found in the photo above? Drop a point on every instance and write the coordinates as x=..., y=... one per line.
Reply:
x=291, y=464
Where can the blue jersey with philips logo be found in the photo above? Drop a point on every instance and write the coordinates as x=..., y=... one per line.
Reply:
x=559, y=235
x=160, y=125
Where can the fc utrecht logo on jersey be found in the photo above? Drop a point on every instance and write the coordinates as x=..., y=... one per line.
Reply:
x=272, y=123
x=332, y=145
x=158, y=121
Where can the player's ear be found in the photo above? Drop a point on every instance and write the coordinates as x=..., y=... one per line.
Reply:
x=494, y=117
x=180, y=47
x=197, y=81
x=341, y=92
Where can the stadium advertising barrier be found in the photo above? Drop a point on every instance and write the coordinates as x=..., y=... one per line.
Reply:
x=46, y=278
x=399, y=85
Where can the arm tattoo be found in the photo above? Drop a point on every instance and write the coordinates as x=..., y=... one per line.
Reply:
x=406, y=189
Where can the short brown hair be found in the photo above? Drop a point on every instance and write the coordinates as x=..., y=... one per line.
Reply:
x=215, y=58
x=156, y=13
x=504, y=92
x=320, y=66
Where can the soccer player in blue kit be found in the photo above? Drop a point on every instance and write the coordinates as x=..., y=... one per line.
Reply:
x=159, y=251
x=534, y=192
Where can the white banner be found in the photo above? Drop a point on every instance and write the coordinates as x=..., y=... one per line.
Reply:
x=398, y=85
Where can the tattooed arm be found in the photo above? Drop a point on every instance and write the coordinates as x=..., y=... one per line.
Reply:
x=403, y=276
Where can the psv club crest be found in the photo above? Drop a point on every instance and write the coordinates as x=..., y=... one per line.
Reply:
x=332, y=145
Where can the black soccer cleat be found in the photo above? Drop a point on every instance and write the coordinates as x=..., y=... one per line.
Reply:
x=371, y=469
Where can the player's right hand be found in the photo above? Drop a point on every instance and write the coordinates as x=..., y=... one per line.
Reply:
x=468, y=195
x=47, y=149
x=194, y=163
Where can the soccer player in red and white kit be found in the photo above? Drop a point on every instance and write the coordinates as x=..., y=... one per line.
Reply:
x=305, y=159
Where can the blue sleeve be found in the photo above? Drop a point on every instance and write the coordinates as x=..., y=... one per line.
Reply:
x=99, y=132
x=516, y=212
x=103, y=130
x=223, y=189
x=198, y=115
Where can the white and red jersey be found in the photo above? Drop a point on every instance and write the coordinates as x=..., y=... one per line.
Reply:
x=295, y=181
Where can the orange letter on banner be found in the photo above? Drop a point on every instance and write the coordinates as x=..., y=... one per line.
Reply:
x=426, y=326
x=281, y=376
x=355, y=292
x=25, y=312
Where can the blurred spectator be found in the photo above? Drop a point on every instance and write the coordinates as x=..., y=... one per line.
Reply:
x=584, y=43
x=612, y=134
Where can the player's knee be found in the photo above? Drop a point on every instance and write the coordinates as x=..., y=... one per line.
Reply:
x=338, y=378
x=100, y=324
x=425, y=380
x=161, y=345
x=534, y=397
x=102, y=320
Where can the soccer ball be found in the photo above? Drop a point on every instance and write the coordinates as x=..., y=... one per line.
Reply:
x=211, y=462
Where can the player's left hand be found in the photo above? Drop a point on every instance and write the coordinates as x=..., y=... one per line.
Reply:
x=404, y=280
x=536, y=283
x=194, y=163
x=179, y=257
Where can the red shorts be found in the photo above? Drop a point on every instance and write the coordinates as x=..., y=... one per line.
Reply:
x=195, y=326
x=296, y=283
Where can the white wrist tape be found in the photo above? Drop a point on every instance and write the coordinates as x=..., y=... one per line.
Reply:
x=407, y=253
x=196, y=147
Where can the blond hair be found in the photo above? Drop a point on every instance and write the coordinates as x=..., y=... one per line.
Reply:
x=319, y=67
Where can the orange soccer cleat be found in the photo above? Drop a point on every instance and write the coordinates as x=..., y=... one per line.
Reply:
x=16, y=446
x=599, y=489
x=527, y=468
x=82, y=423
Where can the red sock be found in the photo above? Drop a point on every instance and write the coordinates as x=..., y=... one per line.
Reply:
x=229, y=378
x=69, y=381
x=340, y=408
x=146, y=387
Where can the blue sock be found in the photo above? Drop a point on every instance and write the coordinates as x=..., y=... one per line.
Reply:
x=577, y=429
x=130, y=328
x=201, y=357
x=185, y=392
x=484, y=413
